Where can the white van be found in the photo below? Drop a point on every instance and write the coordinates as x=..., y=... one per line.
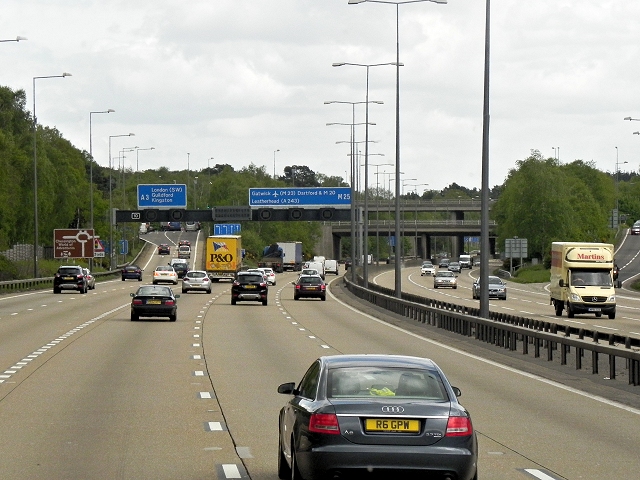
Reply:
x=319, y=266
x=143, y=229
x=331, y=266
x=184, y=251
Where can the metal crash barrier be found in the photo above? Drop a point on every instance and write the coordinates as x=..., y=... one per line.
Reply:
x=511, y=332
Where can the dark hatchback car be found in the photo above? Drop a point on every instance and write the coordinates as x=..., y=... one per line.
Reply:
x=70, y=277
x=181, y=268
x=309, y=286
x=383, y=416
x=164, y=249
x=131, y=272
x=250, y=286
x=154, y=301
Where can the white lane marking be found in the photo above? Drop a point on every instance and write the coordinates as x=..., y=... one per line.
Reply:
x=491, y=362
x=538, y=474
x=231, y=470
x=198, y=373
x=214, y=426
x=204, y=395
x=45, y=348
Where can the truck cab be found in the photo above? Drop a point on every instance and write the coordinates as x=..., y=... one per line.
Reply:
x=582, y=279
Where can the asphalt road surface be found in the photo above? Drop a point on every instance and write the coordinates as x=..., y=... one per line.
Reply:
x=85, y=393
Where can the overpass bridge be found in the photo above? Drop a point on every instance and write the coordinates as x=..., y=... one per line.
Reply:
x=428, y=236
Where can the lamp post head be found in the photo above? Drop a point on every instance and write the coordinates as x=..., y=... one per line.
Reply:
x=18, y=38
x=66, y=74
x=627, y=118
x=111, y=110
x=338, y=64
x=354, y=2
x=636, y=133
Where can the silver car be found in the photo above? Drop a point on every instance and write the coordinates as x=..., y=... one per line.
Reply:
x=196, y=280
x=445, y=278
x=497, y=288
x=91, y=280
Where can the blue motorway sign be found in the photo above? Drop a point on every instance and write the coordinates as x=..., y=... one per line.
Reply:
x=124, y=247
x=226, y=229
x=162, y=196
x=300, y=197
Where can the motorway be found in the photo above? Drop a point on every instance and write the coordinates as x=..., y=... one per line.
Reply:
x=532, y=300
x=87, y=394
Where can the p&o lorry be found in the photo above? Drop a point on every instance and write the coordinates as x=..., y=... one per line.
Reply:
x=223, y=257
x=582, y=278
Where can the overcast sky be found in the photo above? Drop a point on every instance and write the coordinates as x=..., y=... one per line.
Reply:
x=236, y=80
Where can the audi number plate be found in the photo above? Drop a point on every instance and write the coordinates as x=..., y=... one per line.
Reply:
x=391, y=425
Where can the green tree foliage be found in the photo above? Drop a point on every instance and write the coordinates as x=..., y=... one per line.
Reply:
x=545, y=201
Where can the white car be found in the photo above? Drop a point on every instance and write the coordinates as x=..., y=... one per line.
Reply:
x=427, y=269
x=270, y=274
x=165, y=273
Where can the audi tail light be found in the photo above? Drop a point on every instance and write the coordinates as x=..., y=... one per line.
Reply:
x=324, y=423
x=459, y=427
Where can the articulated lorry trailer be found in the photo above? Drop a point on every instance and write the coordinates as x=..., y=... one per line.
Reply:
x=272, y=257
x=582, y=279
x=292, y=255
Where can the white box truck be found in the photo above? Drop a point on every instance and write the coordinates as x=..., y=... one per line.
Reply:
x=582, y=279
x=465, y=261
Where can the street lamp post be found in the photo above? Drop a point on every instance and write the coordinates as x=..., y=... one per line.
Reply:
x=274, y=163
x=402, y=228
x=365, y=265
x=35, y=172
x=17, y=39
x=618, y=181
x=416, y=219
x=91, y=160
x=138, y=156
x=378, y=208
x=398, y=272
x=352, y=192
x=111, y=246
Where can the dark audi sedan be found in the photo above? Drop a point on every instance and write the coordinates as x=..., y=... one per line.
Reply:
x=154, y=301
x=383, y=416
x=249, y=286
x=132, y=272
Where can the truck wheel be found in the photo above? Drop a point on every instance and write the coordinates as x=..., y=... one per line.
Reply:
x=612, y=316
x=570, y=313
x=598, y=315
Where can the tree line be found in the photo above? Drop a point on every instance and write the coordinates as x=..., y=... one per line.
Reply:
x=541, y=199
